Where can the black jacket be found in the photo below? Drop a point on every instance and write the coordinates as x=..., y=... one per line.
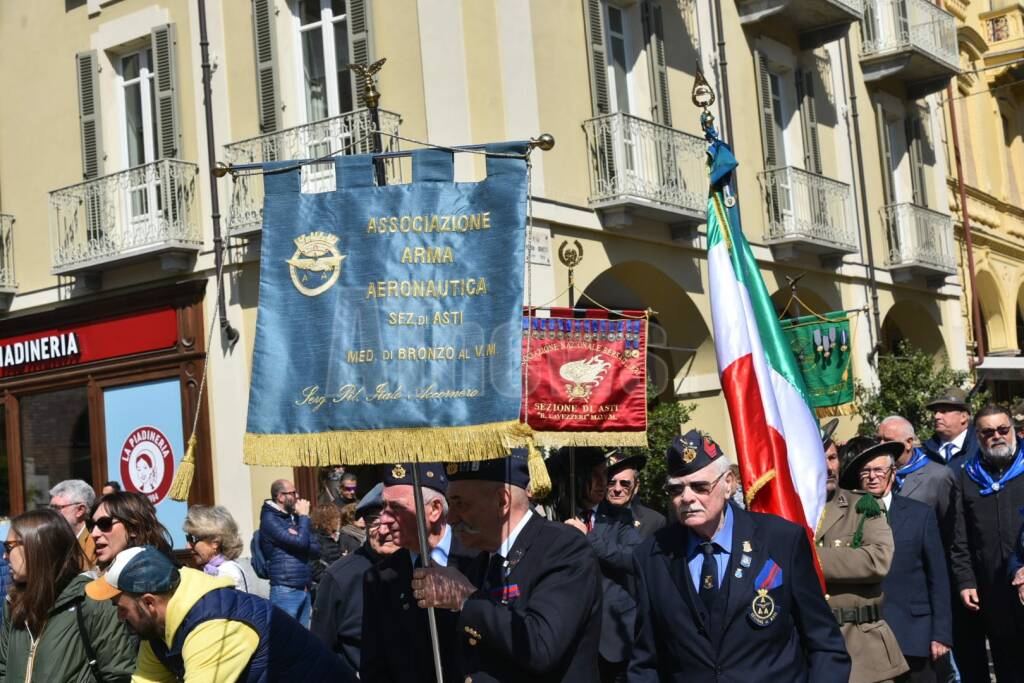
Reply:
x=548, y=628
x=613, y=538
x=970, y=449
x=800, y=643
x=338, y=611
x=396, y=645
x=983, y=542
x=916, y=604
x=648, y=521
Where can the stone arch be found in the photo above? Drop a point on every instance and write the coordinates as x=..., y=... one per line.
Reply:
x=913, y=322
x=682, y=352
x=811, y=299
x=993, y=316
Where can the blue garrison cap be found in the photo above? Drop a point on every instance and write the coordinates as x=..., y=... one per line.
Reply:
x=373, y=500
x=690, y=453
x=431, y=475
x=514, y=469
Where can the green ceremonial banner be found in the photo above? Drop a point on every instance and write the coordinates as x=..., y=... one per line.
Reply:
x=821, y=344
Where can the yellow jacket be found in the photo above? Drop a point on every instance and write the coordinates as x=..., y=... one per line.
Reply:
x=216, y=651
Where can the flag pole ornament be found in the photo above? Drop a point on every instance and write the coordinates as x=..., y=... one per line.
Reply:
x=778, y=445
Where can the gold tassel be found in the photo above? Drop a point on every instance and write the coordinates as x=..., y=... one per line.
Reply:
x=186, y=471
x=383, y=446
x=540, y=481
x=586, y=439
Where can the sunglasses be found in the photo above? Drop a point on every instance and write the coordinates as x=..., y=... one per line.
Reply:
x=989, y=432
x=192, y=539
x=349, y=488
x=9, y=546
x=105, y=524
x=624, y=483
x=701, y=488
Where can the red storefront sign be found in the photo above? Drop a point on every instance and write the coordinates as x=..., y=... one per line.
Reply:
x=88, y=342
x=586, y=380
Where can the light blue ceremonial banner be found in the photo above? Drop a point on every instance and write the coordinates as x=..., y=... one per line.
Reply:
x=388, y=322
x=145, y=444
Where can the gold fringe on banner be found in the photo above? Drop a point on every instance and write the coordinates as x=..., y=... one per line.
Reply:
x=835, y=411
x=585, y=439
x=381, y=446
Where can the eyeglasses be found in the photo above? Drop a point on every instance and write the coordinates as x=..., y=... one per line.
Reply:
x=879, y=472
x=9, y=546
x=288, y=493
x=105, y=524
x=58, y=508
x=701, y=488
x=624, y=483
x=192, y=539
x=989, y=432
x=372, y=522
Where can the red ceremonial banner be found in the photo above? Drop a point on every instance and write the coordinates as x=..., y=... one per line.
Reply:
x=586, y=380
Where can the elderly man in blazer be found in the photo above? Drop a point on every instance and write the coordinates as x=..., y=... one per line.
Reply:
x=728, y=595
x=917, y=599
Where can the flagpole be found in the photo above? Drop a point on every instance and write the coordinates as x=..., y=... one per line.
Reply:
x=426, y=562
x=571, y=258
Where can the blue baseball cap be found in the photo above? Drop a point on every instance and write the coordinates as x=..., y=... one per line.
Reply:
x=135, y=570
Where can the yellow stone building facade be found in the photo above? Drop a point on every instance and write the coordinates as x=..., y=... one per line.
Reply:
x=834, y=108
x=988, y=103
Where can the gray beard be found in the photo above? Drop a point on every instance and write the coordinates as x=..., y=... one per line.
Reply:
x=999, y=457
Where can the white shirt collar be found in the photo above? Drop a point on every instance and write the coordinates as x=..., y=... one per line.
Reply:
x=506, y=545
x=958, y=443
x=887, y=500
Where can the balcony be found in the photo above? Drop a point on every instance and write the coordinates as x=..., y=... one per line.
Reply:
x=809, y=213
x=148, y=211
x=1004, y=31
x=804, y=16
x=348, y=133
x=912, y=40
x=641, y=168
x=920, y=242
x=8, y=285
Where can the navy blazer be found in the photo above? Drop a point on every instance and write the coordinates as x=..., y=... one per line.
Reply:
x=970, y=449
x=613, y=538
x=802, y=643
x=916, y=604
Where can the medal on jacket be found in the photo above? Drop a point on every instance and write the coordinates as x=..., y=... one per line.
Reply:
x=763, y=610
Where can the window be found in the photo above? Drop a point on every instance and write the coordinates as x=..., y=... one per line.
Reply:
x=55, y=441
x=139, y=108
x=323, y=34
x=618, y=66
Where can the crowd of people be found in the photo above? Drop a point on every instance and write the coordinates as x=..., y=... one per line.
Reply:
x=915, y=572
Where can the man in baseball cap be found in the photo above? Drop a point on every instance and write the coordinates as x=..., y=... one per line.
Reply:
x=198, y=627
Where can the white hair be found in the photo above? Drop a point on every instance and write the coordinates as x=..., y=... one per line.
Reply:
x=902, y=423
x=430, y=495
x=76, y=491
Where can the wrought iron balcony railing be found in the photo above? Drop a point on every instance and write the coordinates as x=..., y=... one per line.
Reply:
x=348, y=133
x=804, y=207
x=633, y=160
x=919, y=238
x=892, y=26
x=7, y=281
x=122, y=216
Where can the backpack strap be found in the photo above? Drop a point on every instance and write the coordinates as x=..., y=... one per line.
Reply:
x=90, y=651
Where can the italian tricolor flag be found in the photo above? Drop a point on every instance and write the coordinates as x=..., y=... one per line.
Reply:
x=778, y=443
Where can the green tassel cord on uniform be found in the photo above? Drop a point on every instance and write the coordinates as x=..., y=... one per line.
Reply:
x=867, y=507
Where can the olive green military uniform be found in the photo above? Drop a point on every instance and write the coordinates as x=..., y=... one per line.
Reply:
x=853, y=579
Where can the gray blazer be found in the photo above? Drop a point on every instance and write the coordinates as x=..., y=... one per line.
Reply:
x=933, y=485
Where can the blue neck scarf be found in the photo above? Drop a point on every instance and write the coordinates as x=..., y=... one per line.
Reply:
x=917, y=461
x=980, y=476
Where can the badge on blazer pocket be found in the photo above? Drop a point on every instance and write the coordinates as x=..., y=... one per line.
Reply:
x=763, y=610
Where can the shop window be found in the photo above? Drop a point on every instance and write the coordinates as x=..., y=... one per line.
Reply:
x=54, y=441
x=5, y=494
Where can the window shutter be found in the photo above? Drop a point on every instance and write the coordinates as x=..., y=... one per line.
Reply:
x=918, y=143
x=268, y=102
x=89, y=114
x=655, y=32
x=885, y=146
x=809, y=119
x=165, y=84
x=359, y=48
x=767, y=118
x=594, y=20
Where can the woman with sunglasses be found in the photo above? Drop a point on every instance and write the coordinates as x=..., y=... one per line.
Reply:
x=126, y=520
x=212, y=535
x=51, y=630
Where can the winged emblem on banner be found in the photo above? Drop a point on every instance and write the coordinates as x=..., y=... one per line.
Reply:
x=583, y=376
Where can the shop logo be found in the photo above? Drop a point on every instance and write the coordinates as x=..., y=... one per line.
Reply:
x=316, y=264
x=147, y=463
x=583, y=377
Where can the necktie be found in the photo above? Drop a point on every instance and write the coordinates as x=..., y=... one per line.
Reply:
x=949, y=451
x=588, y=519
x=708, y=575
x=495, y=571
